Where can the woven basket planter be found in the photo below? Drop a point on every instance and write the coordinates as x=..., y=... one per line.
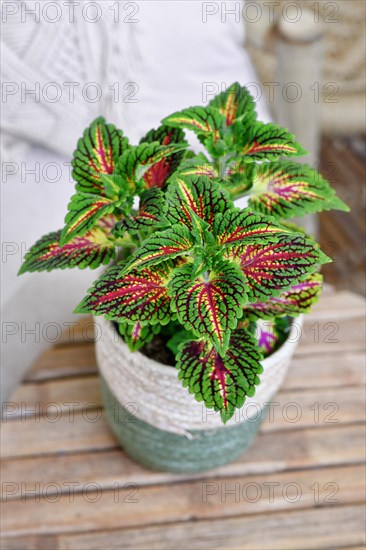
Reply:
x=161, y=425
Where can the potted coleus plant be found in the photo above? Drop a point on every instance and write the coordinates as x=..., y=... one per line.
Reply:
x=199, y=311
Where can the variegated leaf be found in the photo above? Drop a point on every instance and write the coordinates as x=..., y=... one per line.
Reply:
x=221, y=382
x=97, y=153
x=95, y=248
x=115, y=186
x=272, y=268
x=85, y=209
x=235, y=102
x=148, y=164
x=139, y=296
x=165, y=135
x=268, y=141
x=159, y=173
x=297, y=299
x=237, y=181
x=198, y=194
x=136, y=335
x=199, y=165
x=209, y=306
x=236, y=227
x=166, y=245
x=150, y=214
x=288, y=189
x=204, y=121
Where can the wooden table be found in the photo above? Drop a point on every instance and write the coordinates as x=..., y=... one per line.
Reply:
x=66, y=483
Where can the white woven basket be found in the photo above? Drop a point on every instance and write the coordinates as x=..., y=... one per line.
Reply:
x=152, y=392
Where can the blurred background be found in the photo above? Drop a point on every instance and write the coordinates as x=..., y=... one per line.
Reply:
x=316, y=52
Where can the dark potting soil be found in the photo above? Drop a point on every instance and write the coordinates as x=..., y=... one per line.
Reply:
x=157, y=350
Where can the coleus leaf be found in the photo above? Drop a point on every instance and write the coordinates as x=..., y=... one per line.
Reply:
x=288, y=189
x=272, y=268
x=236, y=227
x=85, y=209
x=199, y=165
x=297, y=299
x=115, y=186
x=221, y=382
x=204, y=121
x=159, y=173
x=97, y=153
x=235, y=102
x=148, y=164
x=268, y=141
x=139, y=296
x=168, y=244
x=95, y=248
x=209, y=306
x=198, y=194
x=237, y=179
x=165, y=135
x=136, y=335
x=151, y=213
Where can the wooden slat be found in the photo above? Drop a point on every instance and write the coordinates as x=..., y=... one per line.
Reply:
x=331, y=370
x=312, y=529
x=80, y=333
x=332, y=336
x=30, y=542
x=338, y=305
x=41, y=398
x=139, y=506
x=74, y=431
x=88, y=430
x=295, y=530
x=63, y=361
x=309, y=448
x=321, y=528
x=298, y=408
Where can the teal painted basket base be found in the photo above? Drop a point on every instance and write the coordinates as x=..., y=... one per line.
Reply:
x=161, y=450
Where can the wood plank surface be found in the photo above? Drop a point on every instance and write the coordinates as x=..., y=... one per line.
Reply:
x=332, y=336
x=78, y=486
x=132, y=506
x=312, y=529
x=63, y=361
x=309, y=448
x=301, y=530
